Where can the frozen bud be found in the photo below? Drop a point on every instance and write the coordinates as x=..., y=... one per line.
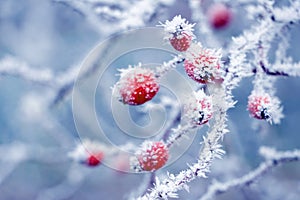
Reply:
x=202, y=65
x=198, y=109
x=137, y=85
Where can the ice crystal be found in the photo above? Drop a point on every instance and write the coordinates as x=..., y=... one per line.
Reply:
x=176, y=27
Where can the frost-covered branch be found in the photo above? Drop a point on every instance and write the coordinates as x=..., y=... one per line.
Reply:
x=142, y=189
x=62, y=84
x=266, y=30
x=12, y=66
x=273, y=159
x=269, y=72
x=211, y=150
x=293, y=69
x=178, y=133
x=167, y=66
x=109, y=17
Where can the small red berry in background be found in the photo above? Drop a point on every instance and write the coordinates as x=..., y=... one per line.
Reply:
x=181, y=42
x=202, y=65
x=198, y=109
x=258, y=105
x=153, y=155
x=219, y=15
x=89, y=153
x=95, y=159
x=137, y=85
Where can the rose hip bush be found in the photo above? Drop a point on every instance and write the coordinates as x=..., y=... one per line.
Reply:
x=198, y=117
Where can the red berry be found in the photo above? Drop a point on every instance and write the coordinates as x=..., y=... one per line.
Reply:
x=198, y=109
x=258, y=105
x=137, y=85
x=202, y=65
x=179, y=32
x=95, y=159
x=153, y=155
x=219, y=15
x=181, y=42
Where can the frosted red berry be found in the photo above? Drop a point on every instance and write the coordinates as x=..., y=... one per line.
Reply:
x=219, y=15
x=181, y=42
x=198, y=109
x=258, y=105
x=202, y=65
x=95, y=159
x=179, y=32
x=137, y=86
x=153, y=155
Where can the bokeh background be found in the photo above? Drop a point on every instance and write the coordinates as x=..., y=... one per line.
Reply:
x=52, y=38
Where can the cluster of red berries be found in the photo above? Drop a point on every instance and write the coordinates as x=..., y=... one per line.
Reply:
x=201, y=64
x=138, y=85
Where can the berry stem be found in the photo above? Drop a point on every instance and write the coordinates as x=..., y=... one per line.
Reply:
x=178, y=133
x=167, y=66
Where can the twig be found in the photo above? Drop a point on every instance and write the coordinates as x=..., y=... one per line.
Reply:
x=273, y=159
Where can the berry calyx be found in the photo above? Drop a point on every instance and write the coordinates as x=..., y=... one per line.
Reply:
x=202, y=65
x=95, y=159
x=153, y=155
x=219, y=15
x=198, y=110
x=137, y=85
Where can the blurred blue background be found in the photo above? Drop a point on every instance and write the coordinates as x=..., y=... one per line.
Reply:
x=35, y=137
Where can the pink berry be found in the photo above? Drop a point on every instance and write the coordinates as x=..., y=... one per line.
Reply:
x=202, y=65
x=219, y=15
x=137, y=85
x=95, y=159
x=199, y=109
x=181, y=42
x=258, y=105
x=153, y=155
